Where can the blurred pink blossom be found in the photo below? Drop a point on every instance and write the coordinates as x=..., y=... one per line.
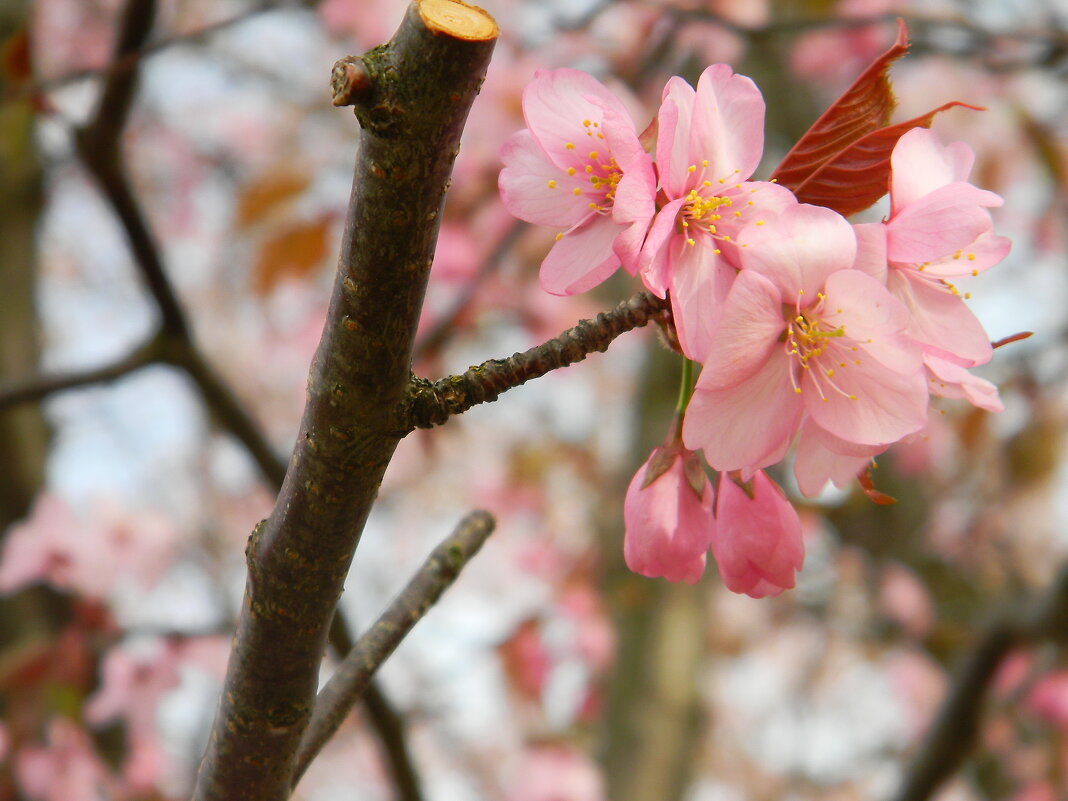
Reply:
x=556, y=773
x=67, y=769
x=86, y=556
x=132, y=686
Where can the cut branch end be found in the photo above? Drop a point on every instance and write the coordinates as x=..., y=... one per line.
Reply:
x=459, y=20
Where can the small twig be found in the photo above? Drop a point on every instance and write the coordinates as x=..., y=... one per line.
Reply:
x=432, y=403
x=353, y=675
x=39, y=387
x=956, y=728
x=133, y=56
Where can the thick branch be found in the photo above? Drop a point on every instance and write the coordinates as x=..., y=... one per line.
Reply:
x=422, y=85
x=353, y=675
x=432, y=403
x=955, y=731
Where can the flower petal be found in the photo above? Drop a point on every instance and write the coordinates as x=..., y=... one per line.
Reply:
x=940, y=319
x=940, y=223
x=920, y=164
x=582, y=259
x=746, y=426
x=797, y=249
x=728, y=124
x=536, y=190
x=748, y=328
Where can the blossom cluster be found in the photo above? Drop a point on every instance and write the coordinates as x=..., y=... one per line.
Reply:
x=811, y=331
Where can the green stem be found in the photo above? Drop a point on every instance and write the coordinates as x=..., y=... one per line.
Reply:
x=685, y=389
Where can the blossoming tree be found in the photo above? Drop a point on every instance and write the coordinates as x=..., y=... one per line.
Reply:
x=811, y=337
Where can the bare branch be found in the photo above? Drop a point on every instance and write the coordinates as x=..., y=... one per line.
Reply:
x=422, y=85
x=353, y=675
x=430, y=404
x=35, y=389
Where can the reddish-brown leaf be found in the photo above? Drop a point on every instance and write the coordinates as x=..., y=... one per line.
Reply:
x=294, y=251
x=266, y=193
x=865, y=106
x=859, y=175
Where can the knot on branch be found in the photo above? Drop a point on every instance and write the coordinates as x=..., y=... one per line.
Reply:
x=350, y=81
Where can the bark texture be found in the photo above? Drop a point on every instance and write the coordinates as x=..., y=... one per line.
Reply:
x=422, y=84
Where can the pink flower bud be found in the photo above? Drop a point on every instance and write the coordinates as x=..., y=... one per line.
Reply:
x=757, y=540
x=668, y=516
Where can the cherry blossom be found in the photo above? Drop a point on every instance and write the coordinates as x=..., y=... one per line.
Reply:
x=579, y=166
x=668, y=516
x=801, y=332
x=939, y=230
x=757, y=542
x=709, y=143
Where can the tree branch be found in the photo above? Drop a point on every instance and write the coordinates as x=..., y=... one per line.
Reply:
x=422, y=84
x=955, y=730
x=35, y=389
x=430, y=404
x=352, y=677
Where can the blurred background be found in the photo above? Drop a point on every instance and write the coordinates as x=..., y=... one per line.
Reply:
x=169, y=222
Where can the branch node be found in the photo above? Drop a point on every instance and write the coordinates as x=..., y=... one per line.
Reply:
x=350, y=81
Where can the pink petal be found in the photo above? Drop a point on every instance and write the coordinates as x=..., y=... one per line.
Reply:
x=870, y=314
x=655, y=260
x=536, y=190
x=749, y=326
x=700, y=282
x=728, y=125
x=982, y=254
x=939, y=223
x=758, y=543
x=823, y=457
x=798, y=249
x=948, y=380
x=582, y=259
x=668, y=527
x=747, y=426
x=672, y=144
x=557, y=102
x=871, y=250
x=920, y=164
x=866, y=404
x=940, y=319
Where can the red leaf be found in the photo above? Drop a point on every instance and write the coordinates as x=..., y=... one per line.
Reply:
x=854, y=178
x=864, y=107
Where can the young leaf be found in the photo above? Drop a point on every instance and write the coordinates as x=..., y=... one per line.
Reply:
x=853, y=179
x=865, y=106
x=843, y=161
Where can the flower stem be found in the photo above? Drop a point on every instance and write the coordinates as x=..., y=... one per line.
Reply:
x=685, y=388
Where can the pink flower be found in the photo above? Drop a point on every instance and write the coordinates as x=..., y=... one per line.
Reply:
x=939, y=229
x=823, y=457
x=579, y=166
x=757, y=543
x=668, y=516
x=801, y=333
x=708, y=144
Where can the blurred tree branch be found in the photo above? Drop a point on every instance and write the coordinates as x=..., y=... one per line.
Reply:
x=955, y=730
